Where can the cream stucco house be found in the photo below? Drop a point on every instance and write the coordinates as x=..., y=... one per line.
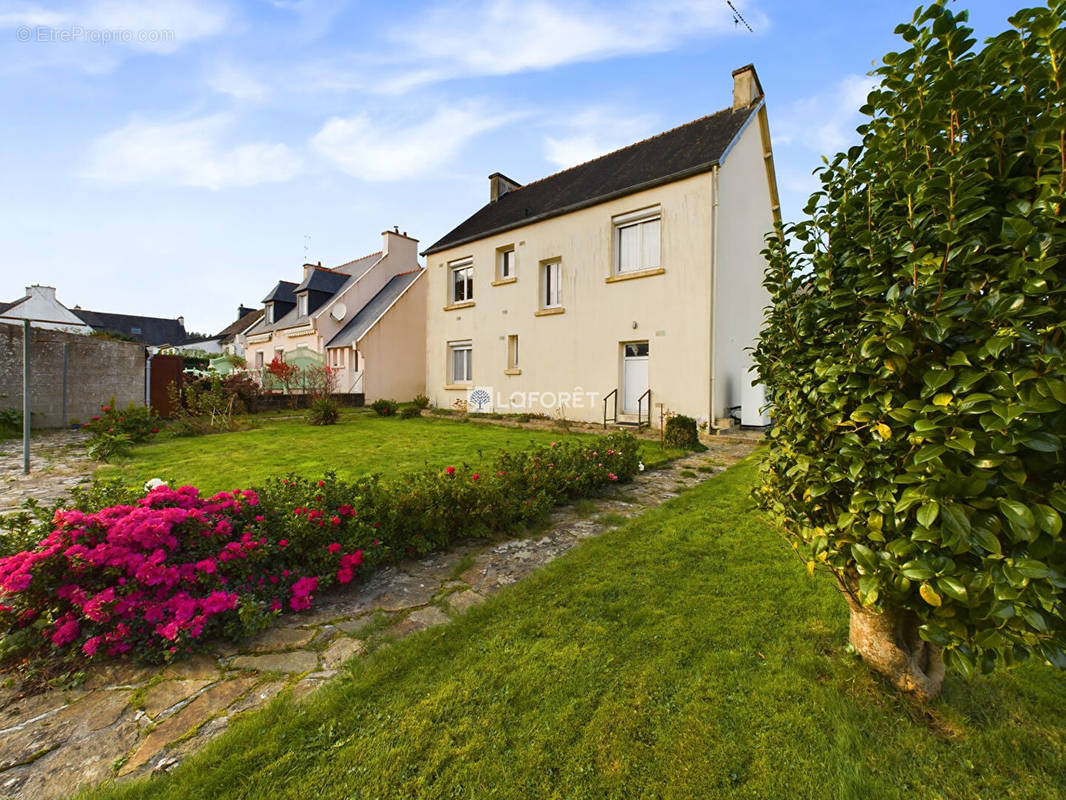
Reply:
x=619, y=288
x=365, y=319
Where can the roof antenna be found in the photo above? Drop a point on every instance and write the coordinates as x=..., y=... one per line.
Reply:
x=737, y=18
x=307, y=248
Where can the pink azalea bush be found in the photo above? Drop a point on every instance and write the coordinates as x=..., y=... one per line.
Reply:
x=163, y=575
x=159, y=576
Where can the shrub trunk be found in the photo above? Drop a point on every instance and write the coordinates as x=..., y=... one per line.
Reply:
x=888, y=642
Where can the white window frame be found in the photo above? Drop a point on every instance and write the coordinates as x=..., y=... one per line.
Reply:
x=301, y=304
x=468, y=364
x=503, y=261
x=640, y=222
x=512, y=351
x=279, y=354
x=551, y=295
x=270, y=313
x=461, y=265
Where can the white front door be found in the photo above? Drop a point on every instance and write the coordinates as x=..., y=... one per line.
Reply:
x=634, y=377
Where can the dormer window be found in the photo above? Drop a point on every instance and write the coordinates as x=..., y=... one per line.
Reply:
x=269, y=313
x=301, y=305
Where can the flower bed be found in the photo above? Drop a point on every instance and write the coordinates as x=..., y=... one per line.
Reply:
x=159, y=577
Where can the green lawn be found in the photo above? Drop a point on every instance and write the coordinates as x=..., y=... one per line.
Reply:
x=684, y=655
x=360, y=443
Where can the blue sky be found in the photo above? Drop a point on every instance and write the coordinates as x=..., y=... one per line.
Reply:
x=185, y=170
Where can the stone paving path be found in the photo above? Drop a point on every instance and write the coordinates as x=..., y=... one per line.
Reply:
x=125, y=721
x=57, y=462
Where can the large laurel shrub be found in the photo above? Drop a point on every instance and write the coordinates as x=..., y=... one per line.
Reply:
x=914, y=356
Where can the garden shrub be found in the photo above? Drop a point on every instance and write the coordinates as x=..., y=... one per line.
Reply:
x=681, y=433
x=421, y=401
x=159, y=575
x=113, y=430
x=385, y=408
x=914, y=353
x=10, y=423
x=324, y=411
x=407, y=412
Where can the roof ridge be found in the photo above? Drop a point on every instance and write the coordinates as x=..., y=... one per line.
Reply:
x=346, y=263
x=621, y=149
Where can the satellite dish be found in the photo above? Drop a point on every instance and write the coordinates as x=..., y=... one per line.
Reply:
x=338, y=311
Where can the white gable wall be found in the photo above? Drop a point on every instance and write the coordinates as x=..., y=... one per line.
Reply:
x=745, y=216
x=41, y=304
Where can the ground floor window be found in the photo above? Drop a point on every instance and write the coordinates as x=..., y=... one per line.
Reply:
x=460, y=362
x=259, y=359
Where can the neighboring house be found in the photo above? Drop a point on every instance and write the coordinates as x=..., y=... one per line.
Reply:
x=231, y=338
x=155, y=332
x=634, y=278
x=365, y=319
x=40, y=304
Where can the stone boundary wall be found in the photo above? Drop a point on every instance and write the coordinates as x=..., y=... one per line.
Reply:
x=97, y=370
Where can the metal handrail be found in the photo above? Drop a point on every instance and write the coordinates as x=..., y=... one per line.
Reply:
x=639, y=401
x=612, y=393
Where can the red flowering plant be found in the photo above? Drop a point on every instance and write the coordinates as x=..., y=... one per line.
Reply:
x=159, y=575
x=114, y=429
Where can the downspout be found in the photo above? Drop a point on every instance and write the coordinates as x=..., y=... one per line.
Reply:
x=712, y=424
x=148, y=380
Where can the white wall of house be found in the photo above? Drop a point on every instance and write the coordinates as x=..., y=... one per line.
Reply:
x=581, y=347
x=745, y=218
x=579, y=350
x=41, y=304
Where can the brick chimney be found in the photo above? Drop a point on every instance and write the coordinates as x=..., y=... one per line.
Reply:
x=747, y=91
x=500, y=184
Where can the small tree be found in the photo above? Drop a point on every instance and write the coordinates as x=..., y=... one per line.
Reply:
x=286, y=374
x=914, y=355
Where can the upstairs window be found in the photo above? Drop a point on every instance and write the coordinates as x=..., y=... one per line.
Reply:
x=270, y=313
x=461, y=281
x=505, y=263
x=301, y=305
x=551, y=294
x=637, y=240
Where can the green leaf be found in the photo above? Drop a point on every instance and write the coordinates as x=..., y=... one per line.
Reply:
x=917, y=570
x=928, y=453
x=1048, y=519
x=900, y=345
x=928, y=513
x=1019, y=516
x=953, y=588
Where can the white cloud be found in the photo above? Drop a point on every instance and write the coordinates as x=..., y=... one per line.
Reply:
x=593, y=132
x=466, y=38
x=377, y=149
x=825, y=122
x=161, y=26
x=190, y=153
x=237, y=83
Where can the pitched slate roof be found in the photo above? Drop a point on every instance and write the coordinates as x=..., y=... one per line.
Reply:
x=687, y=150
x=246, y=320
x=322, y=280
x=5, y=306
x=146, y=330
x=359, y=325
x=283, y=292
